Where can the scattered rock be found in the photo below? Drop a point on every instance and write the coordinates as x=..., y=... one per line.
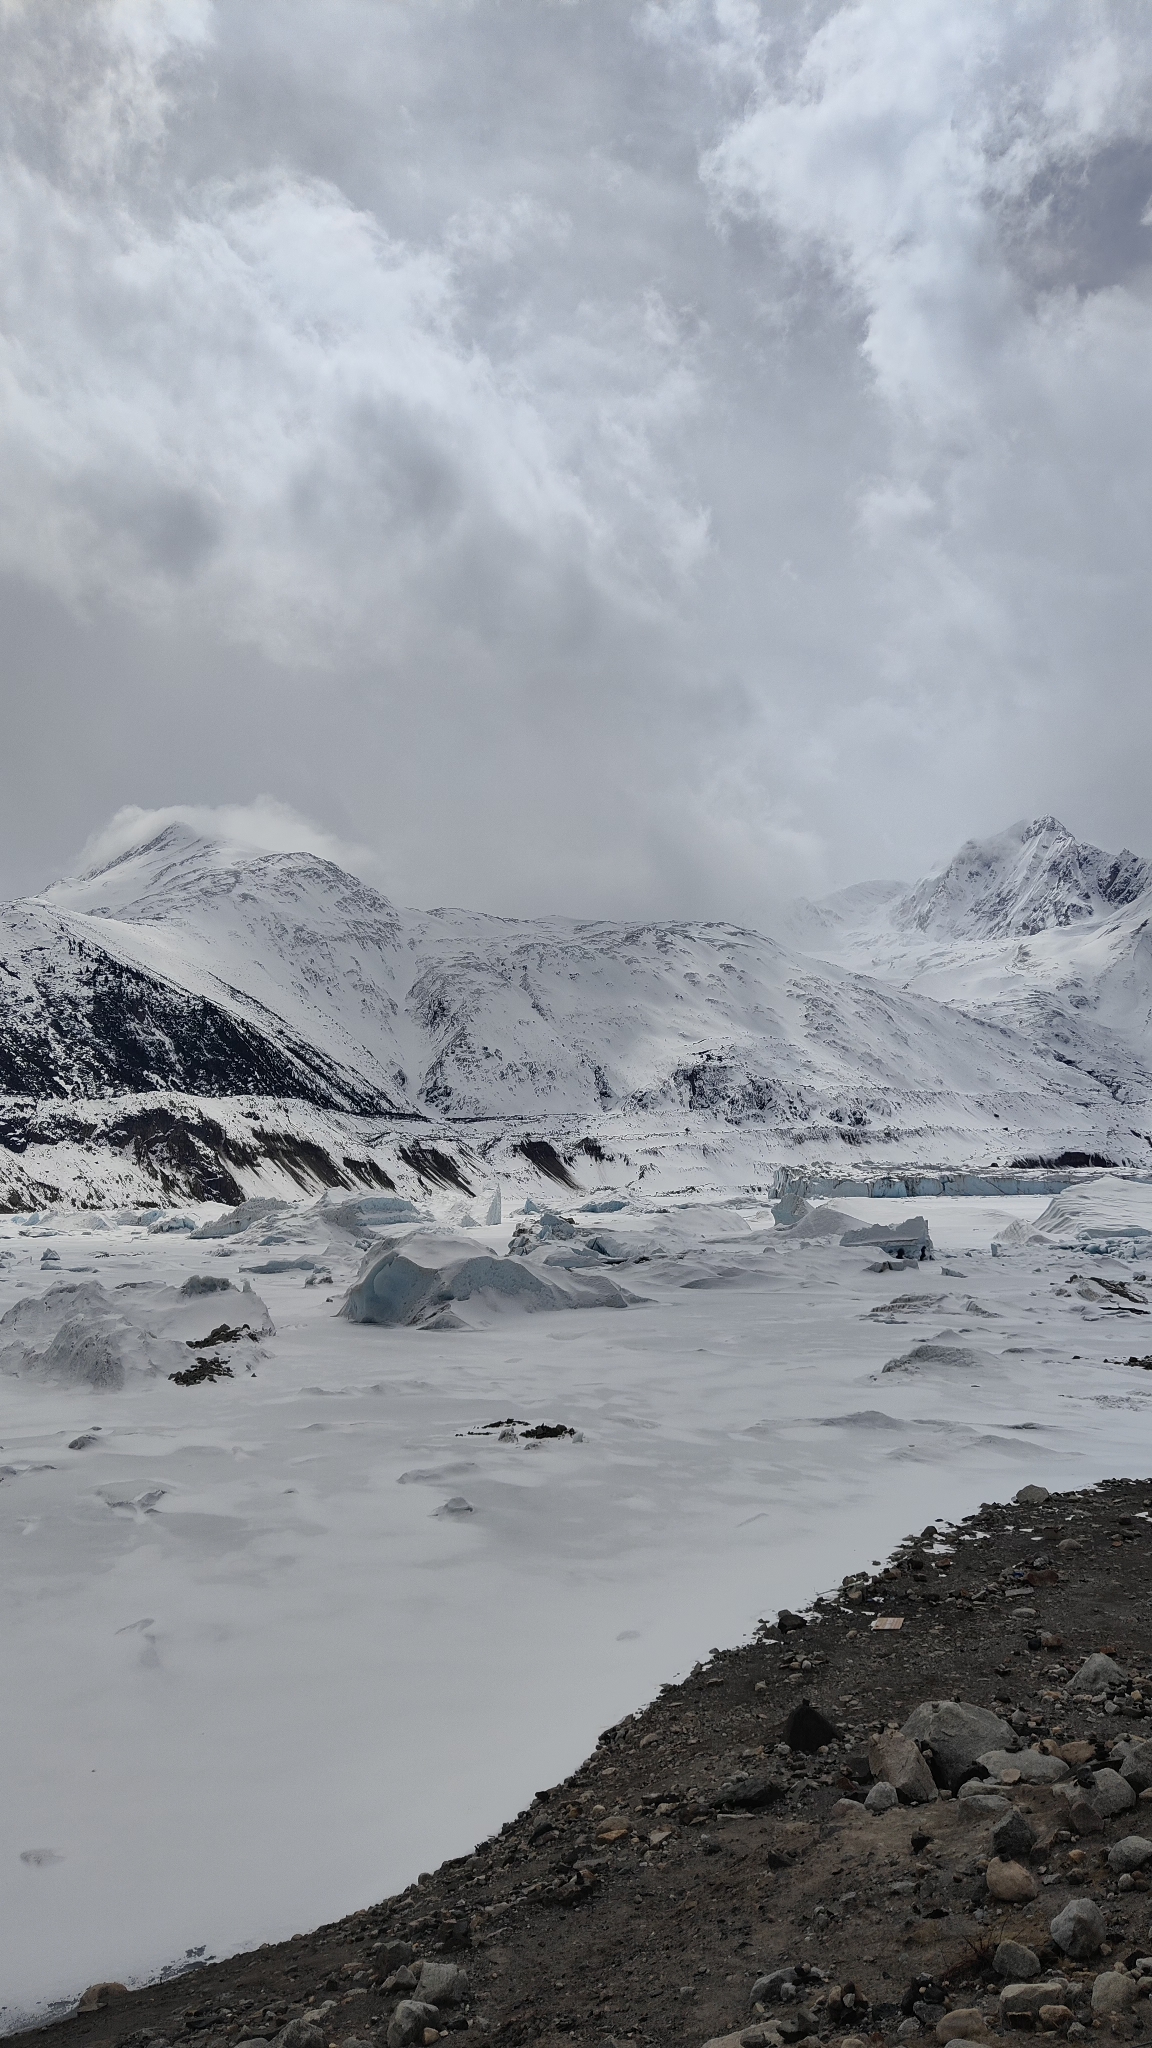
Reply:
x=1078, y=1930
x=965, y=2024
x=1010, y=1882
x=1137, y=1766
x=897, y=1760
x=97, y=1996
x=408, y=2022
x=882, y=1797
x=1096, y=1674
x=1016, y=1963
x=766, y=1990
x=984, y=1806
x=1113, y=1991
x=795, y=2023
x=786, y=1620
x=957, y=1732
x=1054, y=2018
x=1021, y=1999
x=1132, y=1853
x=1111, y=1793
x=301, y=2034
x=747, y=1795
x=1032, y=1496
x=1013, y=1837
x=1034, y=1766
x=1083, y=1815
x=442, y=1984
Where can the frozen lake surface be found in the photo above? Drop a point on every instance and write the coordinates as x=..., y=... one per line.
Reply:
x=275, y=1643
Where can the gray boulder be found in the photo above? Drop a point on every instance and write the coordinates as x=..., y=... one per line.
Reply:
x=897, y=1760
x=1013, y=1836
x=1078, y=1930
x=1028, y=1998
x=409, y=2020
x=1111, y=1793
x=957, y=1732
x=1137, y=1767
x=881, y=1798
x=1034, y=1766
x=1096, y=1674
x=1016, y=1962
x=1113, y=1991
x=979, y=1795
x=1132, y=1853
x=442, y=1984
x=767, y=1989
x=301, y=2034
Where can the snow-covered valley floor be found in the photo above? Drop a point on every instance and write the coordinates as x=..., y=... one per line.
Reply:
x=256, y=1672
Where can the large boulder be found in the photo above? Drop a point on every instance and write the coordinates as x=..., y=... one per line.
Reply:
x=957, y=1732
x=1013, y=1836
x=1027, y=1999
x=1111, y=1794
x=442, y=1983
x=1079, y=1930
x=898, y=1762
x=1096, y=1674
x=1137, y=1766
x=409, y=2020
x=1034, y=1765
x=1113, y=1991
x=1132, y=1853
x=1015, y=1962
x=1010, y=1883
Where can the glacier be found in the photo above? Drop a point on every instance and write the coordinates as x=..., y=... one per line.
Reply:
x=293, y=1491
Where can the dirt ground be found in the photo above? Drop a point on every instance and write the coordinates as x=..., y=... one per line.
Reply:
x=641, y=1899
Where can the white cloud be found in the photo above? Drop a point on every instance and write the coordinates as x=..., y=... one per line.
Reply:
x=254, y=398
x=643, y=458
x=264, y=825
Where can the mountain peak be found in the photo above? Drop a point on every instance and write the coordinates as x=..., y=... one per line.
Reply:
x=1034, y=877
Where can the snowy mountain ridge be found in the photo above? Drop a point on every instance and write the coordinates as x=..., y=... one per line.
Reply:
x=1033, y=878
x=996, y=1011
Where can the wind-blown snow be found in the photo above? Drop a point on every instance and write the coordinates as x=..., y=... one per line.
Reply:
x=275, y=1642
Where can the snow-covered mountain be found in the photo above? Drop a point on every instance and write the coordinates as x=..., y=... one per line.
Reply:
x=994, y=1012
x=1032, y=929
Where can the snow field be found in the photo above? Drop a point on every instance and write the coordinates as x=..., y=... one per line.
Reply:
x=257, y=1673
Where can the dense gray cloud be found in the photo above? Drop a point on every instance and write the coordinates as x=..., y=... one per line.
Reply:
x=597, y=457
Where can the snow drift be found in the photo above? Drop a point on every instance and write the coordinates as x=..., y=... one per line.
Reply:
x=1107, y=1217
x=83, y=1335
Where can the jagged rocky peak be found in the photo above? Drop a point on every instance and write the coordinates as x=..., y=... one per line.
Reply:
x=177, y=867
x=1032, y=878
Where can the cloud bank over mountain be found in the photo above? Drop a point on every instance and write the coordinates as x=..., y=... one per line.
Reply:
x=648, y=459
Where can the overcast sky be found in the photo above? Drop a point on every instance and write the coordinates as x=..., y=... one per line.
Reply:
x=599, y=457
